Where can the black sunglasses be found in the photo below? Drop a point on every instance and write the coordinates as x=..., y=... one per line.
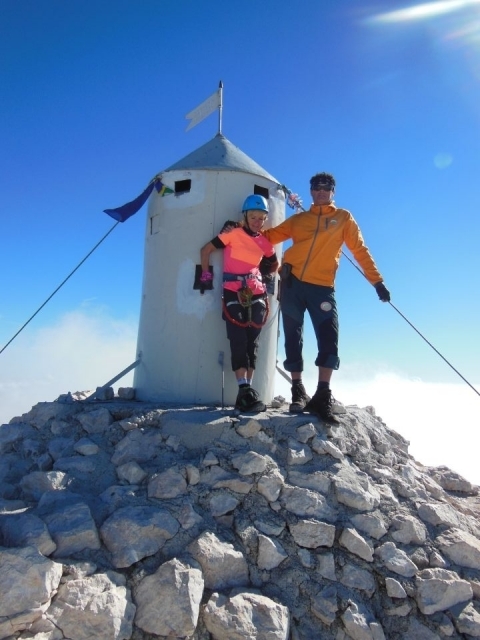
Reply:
x=321, y=187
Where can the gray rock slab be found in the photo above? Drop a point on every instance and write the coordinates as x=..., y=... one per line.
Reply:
x=198, y=429
x=354, y=489
x=168, y=602
x=222, y=565
x=28, y=581
x=460, y=547
x=312, y=533
x=36, y=483
x=467, y=621
x=11, y=433
x=167, y=484
x=246, y=615
x=305, y=502
x=96, y=421
x=97, y=606
x=72, y=529
x=26, y=530
x=396, y=560
x=132, y=533
x=137, y=446
x=88, y=474
x=356, y=544
x=440, y=589
x=270, y=553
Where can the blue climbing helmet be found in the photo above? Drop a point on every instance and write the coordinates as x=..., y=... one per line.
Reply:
x=255, y=202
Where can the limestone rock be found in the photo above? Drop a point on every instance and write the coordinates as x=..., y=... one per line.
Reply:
x=224, y=527
x=168, y=602
x=222, y=565
x=96, y=606
x=246, y=615
x=132, y=533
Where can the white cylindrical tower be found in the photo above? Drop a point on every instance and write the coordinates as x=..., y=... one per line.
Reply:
x=182, y=337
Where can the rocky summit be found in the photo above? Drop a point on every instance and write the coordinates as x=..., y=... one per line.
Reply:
x=126, y=520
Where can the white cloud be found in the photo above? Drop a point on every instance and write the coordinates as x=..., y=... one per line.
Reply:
x=87, y=347
x=84, y=349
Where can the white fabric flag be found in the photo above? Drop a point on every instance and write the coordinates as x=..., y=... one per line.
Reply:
x=203, y=110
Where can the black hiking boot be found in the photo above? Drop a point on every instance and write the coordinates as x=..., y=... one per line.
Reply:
x=299, y=398
x=321, y=405
x=249, y=401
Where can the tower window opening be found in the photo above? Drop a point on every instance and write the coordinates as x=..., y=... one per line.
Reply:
x=182, y=186
x=260, y=191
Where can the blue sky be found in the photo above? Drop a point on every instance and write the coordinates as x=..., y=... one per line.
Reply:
x=384, y=95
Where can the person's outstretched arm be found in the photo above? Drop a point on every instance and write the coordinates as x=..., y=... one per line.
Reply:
x=205, y=252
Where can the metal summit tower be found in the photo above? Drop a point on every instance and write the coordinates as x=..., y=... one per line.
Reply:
x=182, y=337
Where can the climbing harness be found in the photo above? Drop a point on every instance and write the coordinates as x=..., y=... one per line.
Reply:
x=249, y=322
x=245, y=298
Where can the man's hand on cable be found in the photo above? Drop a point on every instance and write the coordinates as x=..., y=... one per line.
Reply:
x=382, y=291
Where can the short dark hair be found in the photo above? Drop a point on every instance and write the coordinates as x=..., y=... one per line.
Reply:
x=324, y=179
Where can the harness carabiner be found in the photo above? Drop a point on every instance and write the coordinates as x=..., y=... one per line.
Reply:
x=245, y=295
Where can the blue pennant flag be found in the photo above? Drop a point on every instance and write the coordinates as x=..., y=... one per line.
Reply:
x=130, y=208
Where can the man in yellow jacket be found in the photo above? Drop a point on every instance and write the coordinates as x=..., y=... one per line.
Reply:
x=308, y=278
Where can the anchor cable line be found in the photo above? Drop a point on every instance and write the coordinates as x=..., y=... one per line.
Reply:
x=58, y=288
x=420, y=334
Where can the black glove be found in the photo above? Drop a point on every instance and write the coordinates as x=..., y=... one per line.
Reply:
x=268, y=265
x=228, y=225
x=383, y=292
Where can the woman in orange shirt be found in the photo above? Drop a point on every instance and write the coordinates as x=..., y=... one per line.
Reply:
x=245, y=307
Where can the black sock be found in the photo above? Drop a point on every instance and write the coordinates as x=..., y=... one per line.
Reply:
x=323, y=385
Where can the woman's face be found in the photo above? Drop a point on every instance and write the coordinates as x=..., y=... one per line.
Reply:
x=256, y=219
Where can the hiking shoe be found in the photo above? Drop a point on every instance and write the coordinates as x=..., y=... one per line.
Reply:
x=321, y=405
x=248, y=400
x=299, y=398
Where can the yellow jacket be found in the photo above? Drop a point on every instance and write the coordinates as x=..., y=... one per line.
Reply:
x=318, y=236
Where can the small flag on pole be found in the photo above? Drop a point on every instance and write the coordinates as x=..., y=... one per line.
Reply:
x=203, y=110
x=130, y=208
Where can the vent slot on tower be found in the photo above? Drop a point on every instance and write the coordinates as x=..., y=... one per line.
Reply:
x=260, y=191
x=182, y=186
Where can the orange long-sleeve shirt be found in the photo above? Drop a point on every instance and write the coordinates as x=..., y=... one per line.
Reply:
x=318, y=235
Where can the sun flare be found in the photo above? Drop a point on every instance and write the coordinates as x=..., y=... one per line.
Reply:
x=424, y=11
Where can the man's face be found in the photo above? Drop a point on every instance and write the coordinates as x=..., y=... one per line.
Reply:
x=322, y=194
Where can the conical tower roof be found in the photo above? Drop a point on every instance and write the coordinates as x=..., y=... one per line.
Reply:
x=220, y=154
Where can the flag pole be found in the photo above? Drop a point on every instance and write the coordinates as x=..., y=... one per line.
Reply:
x=220, y=109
